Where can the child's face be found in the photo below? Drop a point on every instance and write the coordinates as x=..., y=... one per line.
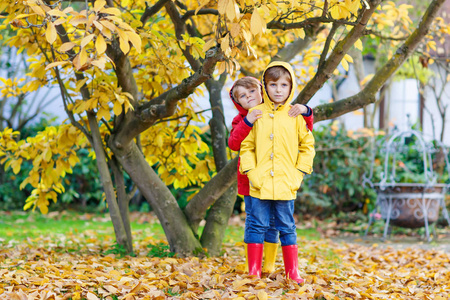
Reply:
x=279, y=90
x=248, y=97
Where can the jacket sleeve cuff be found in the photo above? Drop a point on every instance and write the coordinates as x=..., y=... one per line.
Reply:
x=309, y=112
x=247, y=122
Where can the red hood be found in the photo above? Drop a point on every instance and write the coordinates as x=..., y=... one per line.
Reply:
x=242, y=111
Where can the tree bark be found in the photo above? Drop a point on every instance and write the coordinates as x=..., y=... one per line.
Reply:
x=123, y=201
x=176, y=228
x=217, y=221
x=105, y=176
x=196, y=209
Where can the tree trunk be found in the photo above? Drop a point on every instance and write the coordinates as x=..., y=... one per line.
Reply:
x=220, y=212
x=123, y=201
x=176, y=228
x=105, y=176
x=217, y=221
x=196, y=209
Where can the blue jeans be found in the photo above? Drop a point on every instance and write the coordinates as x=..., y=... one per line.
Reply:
x=258, y=221
x=271, y=234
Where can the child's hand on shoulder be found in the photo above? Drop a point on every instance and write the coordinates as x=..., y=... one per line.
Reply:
x=254, y=115
x=297, y=109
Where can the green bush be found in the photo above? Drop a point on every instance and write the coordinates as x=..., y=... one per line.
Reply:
x=342, y=159
x=339, y=166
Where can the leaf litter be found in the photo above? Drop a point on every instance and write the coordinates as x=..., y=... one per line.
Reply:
x=76, y=266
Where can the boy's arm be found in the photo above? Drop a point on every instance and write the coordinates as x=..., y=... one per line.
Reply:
x=247, y=154
x=306, y=151
x=305, y=111
x=309, y=118
x=239, y=131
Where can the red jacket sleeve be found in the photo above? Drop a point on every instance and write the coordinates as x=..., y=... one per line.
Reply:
x=239, y=132
x=309, y=119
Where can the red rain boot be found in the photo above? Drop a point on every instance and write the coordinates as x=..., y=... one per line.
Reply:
x=255, y=255
x=290, y=257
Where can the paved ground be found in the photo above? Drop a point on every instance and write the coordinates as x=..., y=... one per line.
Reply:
x=398, y=242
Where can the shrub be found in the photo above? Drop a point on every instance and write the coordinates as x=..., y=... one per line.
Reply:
x=341, y=160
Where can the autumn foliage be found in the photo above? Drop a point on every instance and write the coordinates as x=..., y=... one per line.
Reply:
x=129, y=75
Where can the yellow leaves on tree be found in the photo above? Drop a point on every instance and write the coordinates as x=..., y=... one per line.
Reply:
x=89, y=36
x=175, y=154
x=52, y=153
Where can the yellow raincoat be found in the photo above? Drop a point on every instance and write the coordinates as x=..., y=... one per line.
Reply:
x=277, y=149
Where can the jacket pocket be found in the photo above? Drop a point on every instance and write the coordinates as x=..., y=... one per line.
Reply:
x=296, y=179
x=254, y=179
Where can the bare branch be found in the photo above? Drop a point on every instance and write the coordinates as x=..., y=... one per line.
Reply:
x=164, y=105
x=275, y=24
x=205, y=11
x=326, y=70
x=367, y=95
x=150, y=11
x=375, y=33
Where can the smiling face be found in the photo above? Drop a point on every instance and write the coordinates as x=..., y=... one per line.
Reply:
x=279, y=90
x=247, y=97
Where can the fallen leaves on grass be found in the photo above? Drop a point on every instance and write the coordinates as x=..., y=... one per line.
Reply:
x=46, y=269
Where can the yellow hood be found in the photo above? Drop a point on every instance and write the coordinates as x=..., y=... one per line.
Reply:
x=288, y=67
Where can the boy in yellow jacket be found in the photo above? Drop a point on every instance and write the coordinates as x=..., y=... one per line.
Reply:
x=275, y=155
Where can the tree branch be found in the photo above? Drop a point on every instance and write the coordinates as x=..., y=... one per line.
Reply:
x=196, y=208
x=204, y=11
x=150, y=11
x=310, y=21
x=339, y=51
x=367, y=95
x=180, y=28
x=165, y=105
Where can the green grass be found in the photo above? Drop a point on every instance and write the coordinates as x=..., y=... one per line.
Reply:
x=18, y=226
x=21, y=226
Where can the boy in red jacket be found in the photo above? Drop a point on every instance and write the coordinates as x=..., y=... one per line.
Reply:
x=246, y=93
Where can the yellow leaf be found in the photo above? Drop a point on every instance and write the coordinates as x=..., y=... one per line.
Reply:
x=159, y=141
x=123, y=41
x=225, y=44
x=38, y=10
x=56, y=63
x=103, y=113
x=99, y=4
x=66, y=46
x=117, y=108
x=100, y=44
x=50, y=34
x=256, y=23
x=348, y=58
x=111, y=11
x=87, y=39
x=79, y=84
x=366, y=79
x=208, y=45
x=15, y=165
x=344, y=64
x=82, y=57
x=135, y=39
x=262, y=295
x=108, y=25
x=232, y=10
x=99, y=63
x=235, y=29
x=222, y=6
x=359, y=45
x=56, y=13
